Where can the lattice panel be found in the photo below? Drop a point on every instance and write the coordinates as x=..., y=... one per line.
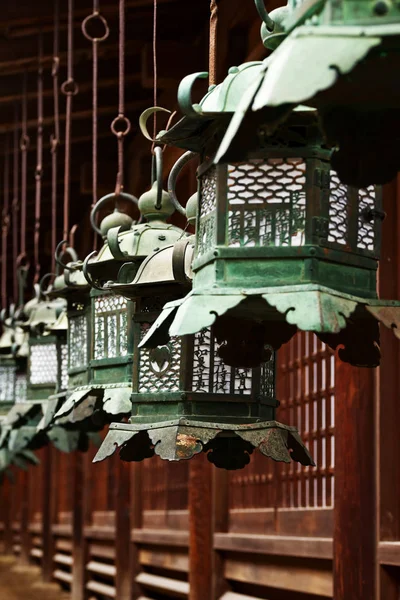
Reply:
x=7, y=383
x=338, y=211
x=110, y=327
x=20, y=387
x=211, y=375
x=159, y=368
x=366, y=227
x=267, y=202
x=64, y=366
x=208, y=204
x=43, y=364
x=306, y=390
x=78, y=341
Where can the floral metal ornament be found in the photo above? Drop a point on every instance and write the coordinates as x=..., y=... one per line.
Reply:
x=325, y=54
x=281, y=243
x=186, y=399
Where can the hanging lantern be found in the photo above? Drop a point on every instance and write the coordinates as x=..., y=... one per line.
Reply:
x=185, y=398
x=329, y=53
x=281, y=243
x=46, y=371
x=106, y=395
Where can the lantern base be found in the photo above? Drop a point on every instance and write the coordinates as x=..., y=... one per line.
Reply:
x=227, y=445
x=245, y=321
x=93, y=406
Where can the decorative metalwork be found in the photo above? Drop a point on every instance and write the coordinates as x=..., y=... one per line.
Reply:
x=43, y=364
x=110, y=325
x=64, y=367
x=159, y=368
x=21, y=383
x=78, y=341
x=7, y=383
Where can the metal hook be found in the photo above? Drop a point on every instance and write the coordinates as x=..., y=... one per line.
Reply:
x=263, y=14
x=104, y=200
x=86, y=273
x=158, y=175
x=173, y=176
x=144, y=117
x=68, y=250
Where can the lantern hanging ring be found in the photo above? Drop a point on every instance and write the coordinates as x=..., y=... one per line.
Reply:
x=157, y=175
x=264, y=16
x=43, y=293
x=173, y=176
x=61, y=252
x=105, y=200
x=86, y=273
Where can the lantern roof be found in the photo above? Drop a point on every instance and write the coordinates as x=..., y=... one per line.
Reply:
x=60, y=325
x=42, y=313
x=70, y=281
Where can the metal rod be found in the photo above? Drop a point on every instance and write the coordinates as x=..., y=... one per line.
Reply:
x=39, y=162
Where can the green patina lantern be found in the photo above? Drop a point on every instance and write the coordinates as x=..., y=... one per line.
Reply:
x=281, y=243
x=46, y=373
x=105, y=395
x=185, y=398
x=13, y=383
x=342, y=57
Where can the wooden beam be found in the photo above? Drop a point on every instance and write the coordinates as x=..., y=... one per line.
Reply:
x=354, y=561
x=136, y=524
x=220, y=526
x=123, y=580
x=275, y=545
x=79, y=544
x=48, y=513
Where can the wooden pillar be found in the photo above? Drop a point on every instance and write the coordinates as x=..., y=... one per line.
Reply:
x=123, y=530
x=200, y=528
x=48, y=509
x=136, y=473
x=6, y=513
x=25, y=537
x=388, y=519
x=220, y=524
x=79, y=463
x=354, y=564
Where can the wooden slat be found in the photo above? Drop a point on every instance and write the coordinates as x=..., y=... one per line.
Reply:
x=62, y=576
x=101, y=588
x=62, y=530
x=288, y=576
x=179, y=589
x=161, y=537
x=101, y=551
x=63, y=559
x=64, y=545
x=99, y=533
x=37, y=552
x=101, y=568
x=37, y=541
x=234, y=596
x=173, y=561
x=389, y=553
x=275, y=545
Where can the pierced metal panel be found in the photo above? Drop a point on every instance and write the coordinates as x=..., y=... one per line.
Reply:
x=211, y=375
x=338, y=211
x=267, y=202
x=20, y=387
x=43, y=364
x=7, y=383
x=78, y=341
x=208, y=205
x=159, y=368
x=64, y=366
x=110, y=327
x=366, y=227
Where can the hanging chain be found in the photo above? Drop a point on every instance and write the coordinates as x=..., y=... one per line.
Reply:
x=69, y=88
x=39, y=161
x=24, y=145
x=95, y=59
x=155, y=73
x=5, y=223
x=15, y=202
x=121, y=121
x=55, y=136
x=213, y=42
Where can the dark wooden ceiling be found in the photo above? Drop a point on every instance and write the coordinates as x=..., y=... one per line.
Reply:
x=182, y=43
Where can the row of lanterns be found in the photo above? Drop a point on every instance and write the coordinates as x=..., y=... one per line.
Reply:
x=171, y=338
